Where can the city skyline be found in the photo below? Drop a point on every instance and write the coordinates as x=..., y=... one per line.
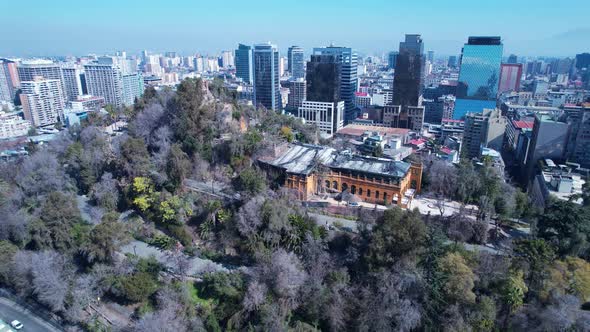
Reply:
x=377, y=26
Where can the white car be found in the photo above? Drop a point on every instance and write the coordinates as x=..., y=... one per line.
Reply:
x=16, y=324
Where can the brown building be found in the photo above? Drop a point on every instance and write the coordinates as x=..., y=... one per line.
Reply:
x=312, y=169
x=409, y=117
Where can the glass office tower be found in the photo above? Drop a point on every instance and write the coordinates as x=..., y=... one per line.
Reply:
x=479, y=75
x=243, y=61
x=409, y=69
x=348, y=76
x=296, y=62
x=267, y=91
x=323, y=79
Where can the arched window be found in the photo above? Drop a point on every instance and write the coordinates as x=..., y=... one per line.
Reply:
x=353, y=189
x=327, y=184
x=377, y=194
x=385, y=198
x=368, y=192
x=335, y=185
x=344, y=186
x=360, y=191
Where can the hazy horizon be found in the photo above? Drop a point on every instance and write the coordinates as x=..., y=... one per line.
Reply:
x=373, y=27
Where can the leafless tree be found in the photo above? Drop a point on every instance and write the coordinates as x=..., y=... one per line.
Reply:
x=40, y=174
x=49, y=280
x=147, y=121
x=106, y=192
x=255, y=296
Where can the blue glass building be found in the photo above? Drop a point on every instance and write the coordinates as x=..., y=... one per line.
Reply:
x=267, y=90
x=479, y=75
x=296, y=62
x=243, y=61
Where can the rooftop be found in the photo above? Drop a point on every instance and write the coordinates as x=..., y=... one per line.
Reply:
x=523, y=124
x=359, y=130
x=303, y=158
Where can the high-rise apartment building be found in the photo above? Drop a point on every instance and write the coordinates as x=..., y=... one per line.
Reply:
x=348, y=76
x=578, y=147
x=296, y=62
x=28, y=70
x=510, y=75
x=267, y=91
x=430, y=56
x=483, y=129
x=42, y=100
x=227, y=59
x=408, y=78
x=479, y=75
x=9, y=81
x=133, y=87
x=244, y=63
x=72, y=82
x=104, y=80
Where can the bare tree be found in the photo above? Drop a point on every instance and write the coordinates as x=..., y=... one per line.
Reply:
x=49, y=280
x=40, y=174
x=106, y=192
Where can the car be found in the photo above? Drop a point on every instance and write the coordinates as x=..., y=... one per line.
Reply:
x=16, y=324
x=353, y=204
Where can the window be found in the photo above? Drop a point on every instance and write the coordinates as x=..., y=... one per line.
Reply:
x=335, y=185
x=368, y=192
x=353, y=189
x=328, y=184
x=360, y=191
x=377, y=194
x=385, y=198
x=344, y=186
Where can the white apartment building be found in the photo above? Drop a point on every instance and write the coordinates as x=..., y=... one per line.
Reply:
x=42, y=101
x=12, y=125
x=107, y=81
x=72, y=82
x=328, y=117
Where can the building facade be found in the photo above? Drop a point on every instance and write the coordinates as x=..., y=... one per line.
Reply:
x=510, y=75
x=244, y=63
x=105, y=80
x=267, y=91
x=323, y=79
x=72, y=82
x=296, y=62
x=408, y=79
x=485, y=129
x=42, y=100
x=9, y=82
x=133, y=87
x=12, y=125
x=479, y=75
x=373, y=180
x=327, y=116
x=408, y=117
x=347, y=59
x=297, y=93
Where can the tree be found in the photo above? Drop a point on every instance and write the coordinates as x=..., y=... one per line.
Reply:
x=178, y=167
x=7, y=251
x=134, y=157
x=398, y=235
x=105, y=193
x=59, y=215
x=49, y=280
x=41, y=174
x=105, y=239
x=251, y=181
x=569, y=276
x=442, y=181
x=514, y=290
x=566, y=226
x=534, y=256
x=468, y=183
x=460, y=279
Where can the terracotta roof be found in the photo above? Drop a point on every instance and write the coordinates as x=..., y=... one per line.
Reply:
x=523, y=124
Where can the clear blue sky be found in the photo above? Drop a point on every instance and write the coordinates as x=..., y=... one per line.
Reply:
x=67, y=27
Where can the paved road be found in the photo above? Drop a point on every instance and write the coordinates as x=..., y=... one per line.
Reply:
x=323, y=220
x=10, y=311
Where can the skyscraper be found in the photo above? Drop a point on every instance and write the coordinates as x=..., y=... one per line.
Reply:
x=297, y=94
x=452, y=62
x=348, y=76
x=266, y=76
x=323, y=78
x=510, y=74
x=479, y=75
x=431, y=56
x=42, y=100
x=296, y=61
x=104, y=80
x=392, y=59
x=243, y=62
x=483, y=129
x=408, y=78
x=583, y=61
x=8, y=80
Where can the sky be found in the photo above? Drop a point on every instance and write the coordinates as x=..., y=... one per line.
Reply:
x=67, y=27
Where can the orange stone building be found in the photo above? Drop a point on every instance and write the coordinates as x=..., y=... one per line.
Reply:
x=311, y=169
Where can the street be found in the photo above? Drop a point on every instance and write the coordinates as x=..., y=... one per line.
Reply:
x=10, y=311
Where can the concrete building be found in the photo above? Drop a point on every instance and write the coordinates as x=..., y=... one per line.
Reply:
x=409, y=117
x=12, y=125
x=133, y=87
x=72, y=82
x=267, y=91
x=392, y=59
x=9, y=82
x=561, y=182
x=485, y=129
x=42, y=100
x=578, y=149
x=28, y=70
x=297, y=93
x=373, y=180
x=87, y=103
x=327, y=116
x=296, y=62
x=105, y=80
x=362, y=100
x=510, y=75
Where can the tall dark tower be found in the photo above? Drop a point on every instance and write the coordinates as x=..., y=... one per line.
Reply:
x=323, y=79
x=409, y=67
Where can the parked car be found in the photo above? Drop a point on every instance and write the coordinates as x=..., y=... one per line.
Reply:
x=354, y=204
x=16, y=324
